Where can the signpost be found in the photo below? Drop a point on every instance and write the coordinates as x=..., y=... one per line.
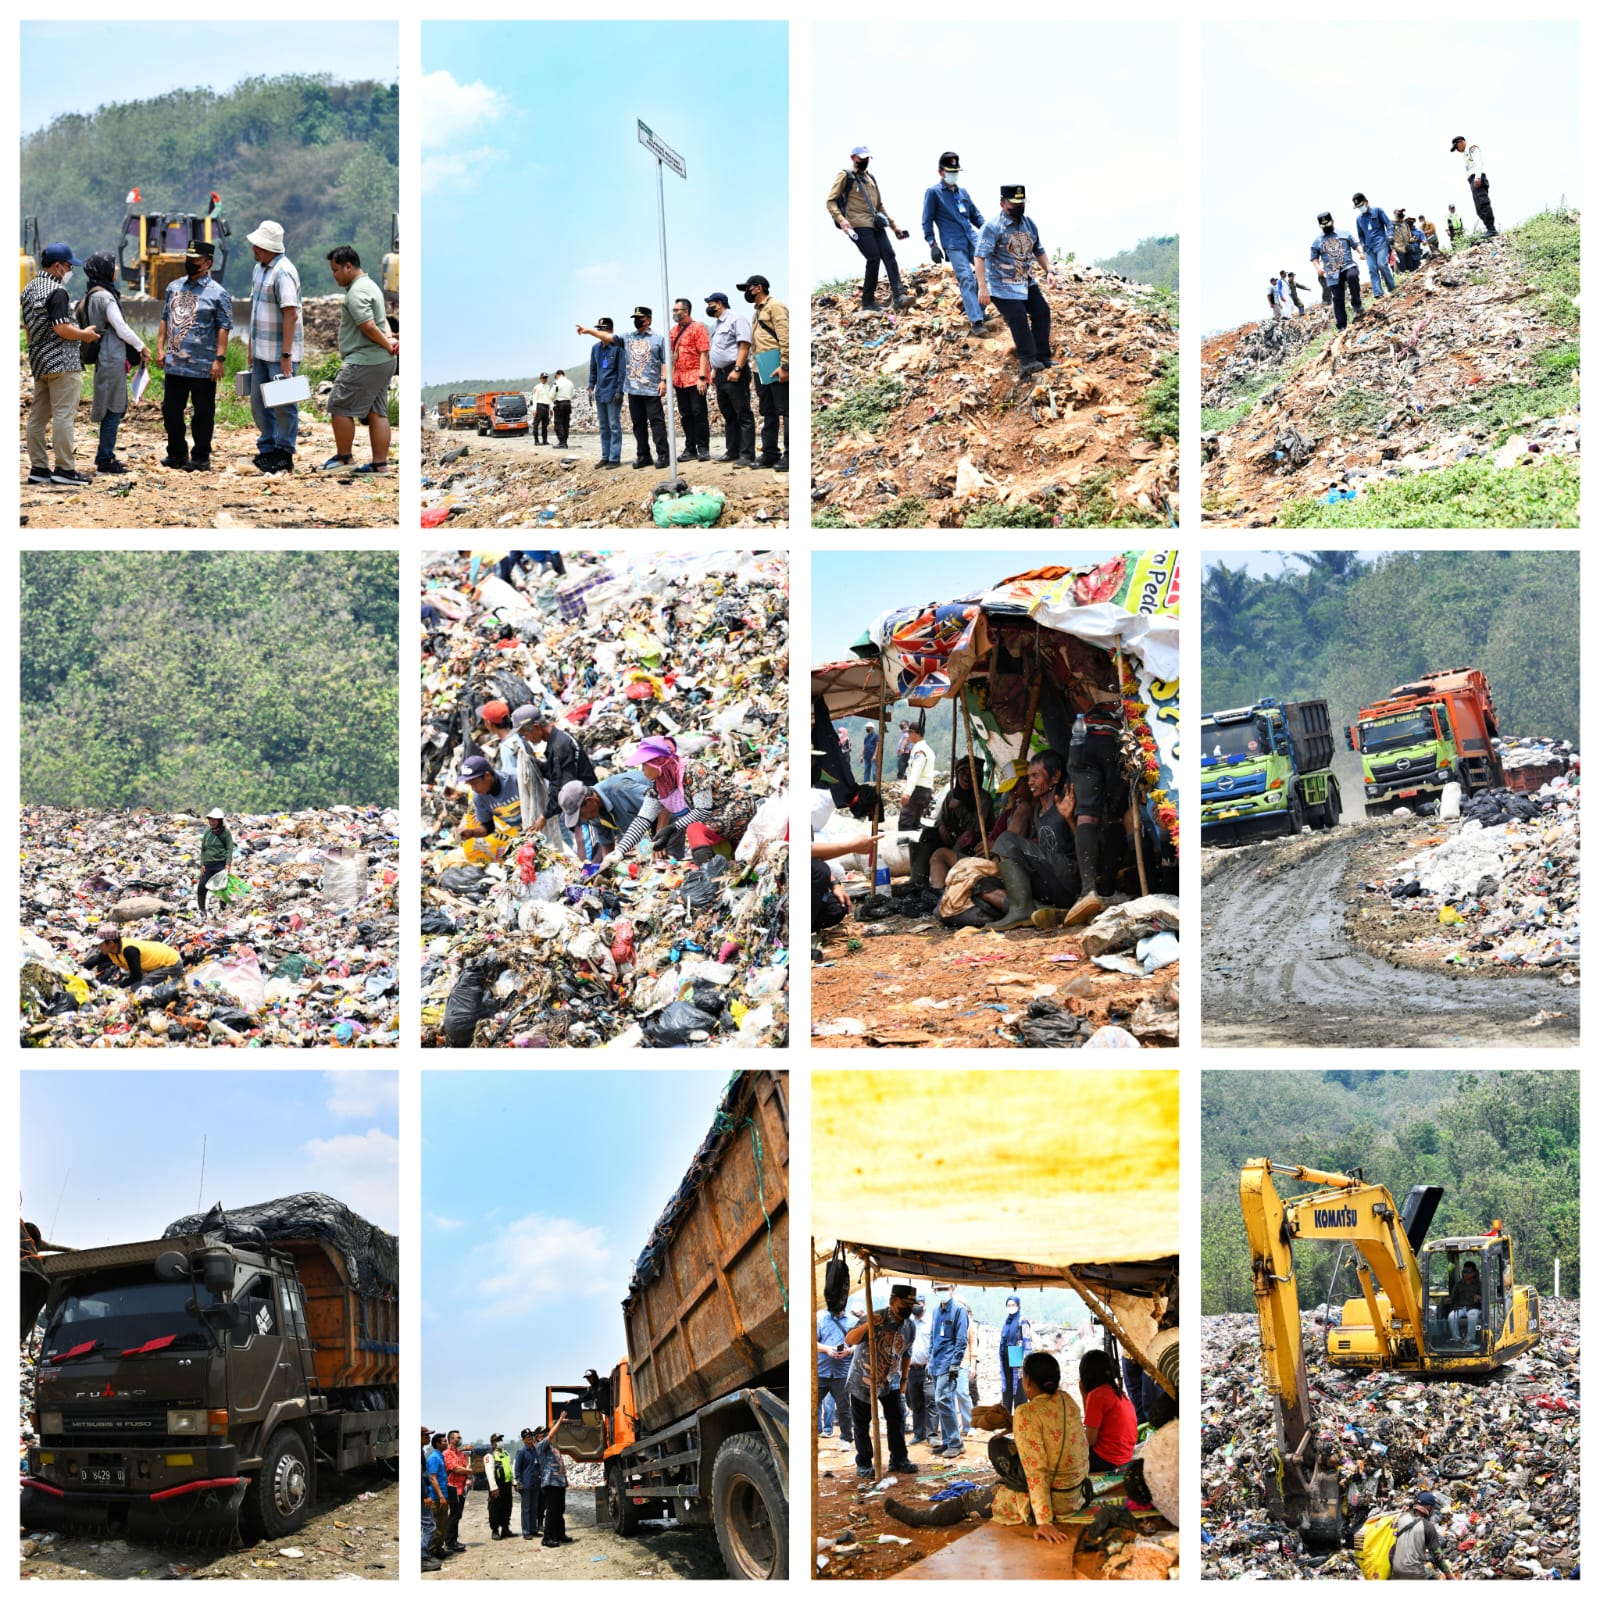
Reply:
x=665, y=156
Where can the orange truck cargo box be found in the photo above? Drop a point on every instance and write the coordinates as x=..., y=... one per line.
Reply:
x=357, y=1335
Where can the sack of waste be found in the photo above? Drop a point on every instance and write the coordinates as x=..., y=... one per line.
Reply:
x=699, y=510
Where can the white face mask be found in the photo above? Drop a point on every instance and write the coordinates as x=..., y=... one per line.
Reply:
x=946, y=1296
x=951, y=179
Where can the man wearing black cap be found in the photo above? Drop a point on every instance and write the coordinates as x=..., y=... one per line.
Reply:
x=1376, y=232
x=496, y=812
x=1477, y=181
x=53, y=340
x=192, y=349
x=1336, y=254
x=893, y=1334
x=606, y=386
x=1418, y=1548
x=644, y=381
x=948, y=208
x=1009, y=264
x=730, y=371
x=769, y=351
x=525, y=1473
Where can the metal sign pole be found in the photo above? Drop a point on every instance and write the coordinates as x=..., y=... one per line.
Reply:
x=666, y=311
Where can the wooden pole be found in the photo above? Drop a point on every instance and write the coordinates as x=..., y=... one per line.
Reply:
x=1138, y=821
x=816, y=1401
x=1102, y=1309
x=872, y=1378
x=877, y=804
x=972, y=763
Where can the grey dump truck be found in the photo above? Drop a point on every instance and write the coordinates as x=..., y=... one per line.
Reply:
x=196, y=1383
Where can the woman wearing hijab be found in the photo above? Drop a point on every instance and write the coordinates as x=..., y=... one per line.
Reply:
x=1043, y=1462
x=118, y=346
x=1109, y=1422
x=679, y=810
x=1012, y=1352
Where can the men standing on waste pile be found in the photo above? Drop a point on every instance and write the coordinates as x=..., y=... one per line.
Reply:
x=918, y=789
x=563, y=392
x=1407, y=242
x=1011, y=261
x=1456, y=227
x=542, y=396
x=769, y=350
x=947, y=1356
x=1430, y=235
x=277, y=346
x=1335, y=253
x=496, y=812
x=950, y=211
x=644, y=380
x=857, y=211
x=877, y=1370
x=216, y=856
x=1377, y=239
x=192, y=351
x=691, y=373
x=606, y=386
x=1477, y=181
x=730, y=369
x=53, y=357
x=563, y=760
x=1294, y=296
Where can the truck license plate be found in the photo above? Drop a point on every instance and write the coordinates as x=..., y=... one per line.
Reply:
x=1223, y=816
x=113, y=1477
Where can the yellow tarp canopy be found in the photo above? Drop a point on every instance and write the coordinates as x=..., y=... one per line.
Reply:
x=1051, y=1168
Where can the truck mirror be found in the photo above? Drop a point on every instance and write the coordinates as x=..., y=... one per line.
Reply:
x=171, y=1266
x=216, y=1270
x=1350, y=736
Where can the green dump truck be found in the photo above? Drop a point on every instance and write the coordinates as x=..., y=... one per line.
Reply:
x=1421, y=736
x=1266, y=769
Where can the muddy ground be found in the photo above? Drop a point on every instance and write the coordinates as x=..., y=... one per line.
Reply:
x=232, y=495
x=353, y=1534
x=658, y=1550
x=1290, y=959
x=917, y=984
x=510, y=482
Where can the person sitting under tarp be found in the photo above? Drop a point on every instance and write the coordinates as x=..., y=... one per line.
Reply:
x=1043, y=1463
x=140, y=961
x=1109, y=1422
x=496, y=812
x=954, y=834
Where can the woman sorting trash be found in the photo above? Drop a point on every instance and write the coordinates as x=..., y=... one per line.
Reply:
x=216, y=856
x=1109, y=1422
x=676, y=813
x=1014, y=1347
x=1043, y=1462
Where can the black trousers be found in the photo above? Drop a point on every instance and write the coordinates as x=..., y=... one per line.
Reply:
x=458, y=1502
x=649, y=422
x=207, y=873
x=1480, y=202
x=913, y=809
x=1348, y=282
x=694, y=416
x=920, y=1394
x=541, y=424
x=563, y=421
x=835, y=1386
x=553, y=1506
x=774, y=415
x=738, y=421
x=176, y=395
x=878, y=249
x=1101, y=790
x=500, y=1511
x=894, y=1427
x=1029, y=322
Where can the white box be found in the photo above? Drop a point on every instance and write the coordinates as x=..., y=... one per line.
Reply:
x=284, y=391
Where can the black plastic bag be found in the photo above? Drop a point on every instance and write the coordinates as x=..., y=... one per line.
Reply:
x=233, y=1017
x=436, y=921
x=1048, y=1027
x=468, y=881
x=469, y=1003
x=677, y=1024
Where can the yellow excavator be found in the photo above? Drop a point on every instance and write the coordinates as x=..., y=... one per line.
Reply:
x=1435, y=1308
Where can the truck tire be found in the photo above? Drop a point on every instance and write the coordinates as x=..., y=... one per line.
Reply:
x=280, y=1496
x=749, y=1510
x=1335, y=806
x=625, y=1515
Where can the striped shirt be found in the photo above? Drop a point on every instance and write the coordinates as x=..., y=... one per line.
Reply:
x=272, y=288
x=48, y=353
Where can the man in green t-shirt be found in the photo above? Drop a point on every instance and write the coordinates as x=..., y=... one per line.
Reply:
x=370, y=352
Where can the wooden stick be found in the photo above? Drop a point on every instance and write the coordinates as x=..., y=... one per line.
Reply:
x=872, y=1378
x=972, y=763
x=816, y=1401
x=877, y=804
x=1102, y=1309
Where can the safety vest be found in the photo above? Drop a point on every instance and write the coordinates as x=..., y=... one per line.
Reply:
x=152, y=956
x=499, y=1459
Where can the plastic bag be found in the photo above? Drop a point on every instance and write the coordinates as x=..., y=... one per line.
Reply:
x=239, y=976
x=1158, y=951
x=468, y=1005
x=1111, y=1039
x=436, y=921
x=687, y=510
x=682, y=1023
x=344, y=878
x=468, y=881
x=770, y=825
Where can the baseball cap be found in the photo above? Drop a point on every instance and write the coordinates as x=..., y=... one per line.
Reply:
x=572, y=794
x=751, y=282
x=523, y=715
x=494, y=712
x=603, y=322
x=718, y=294
x=53, y=254
x=859, y=151
x=475, y=767
x=1427, y=1498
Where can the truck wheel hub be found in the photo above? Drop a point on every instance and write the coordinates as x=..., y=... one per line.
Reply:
x=289, y=1485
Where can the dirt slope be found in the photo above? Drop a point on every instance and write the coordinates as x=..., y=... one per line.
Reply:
x=917, y=423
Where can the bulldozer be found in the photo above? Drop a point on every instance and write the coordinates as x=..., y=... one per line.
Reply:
x=29, y=252
x=152, y=245
x=1447, y=1307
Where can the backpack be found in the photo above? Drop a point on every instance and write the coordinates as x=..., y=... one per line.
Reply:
x=1375, y=1545
x=88, y=350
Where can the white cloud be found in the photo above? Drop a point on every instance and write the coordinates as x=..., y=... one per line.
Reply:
x=452, y=111
x=544, y=1258
x=361, y=1169
x=359, y=1096
x=447, y=1224
x=461, y=168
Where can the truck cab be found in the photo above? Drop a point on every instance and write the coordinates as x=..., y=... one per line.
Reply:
x=1408, y=754
x=505, y=414
x=1264, y=770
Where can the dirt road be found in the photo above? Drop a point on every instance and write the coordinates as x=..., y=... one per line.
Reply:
x=1281, y=967
x=353, y=1534
x=658, y=1550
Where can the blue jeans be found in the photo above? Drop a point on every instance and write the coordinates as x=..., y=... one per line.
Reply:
x=944, y=1396
x=427, y=1525
x=969, y=285
x=964, y=1396
x=1378, y=267
x=277, y=427
x=109, y=423
x=610, y=413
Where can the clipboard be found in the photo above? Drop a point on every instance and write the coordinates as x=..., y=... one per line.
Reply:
x=767, y=364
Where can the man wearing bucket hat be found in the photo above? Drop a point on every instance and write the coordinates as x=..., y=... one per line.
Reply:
x=216, y=856
x=191, y=349
x=140, y=961
x=53, y=340
x=277, y=344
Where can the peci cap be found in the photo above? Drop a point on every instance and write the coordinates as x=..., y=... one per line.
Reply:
x=572, y=797
x=1013, y=191
x=752, y=281
x=475, y=767
x=603, y=322
x=643, y=311
x=201, y=250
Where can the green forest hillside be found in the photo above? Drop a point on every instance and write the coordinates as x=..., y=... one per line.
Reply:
x=254, y=680
x=319, y=156
x=1153, y=260
x=1347, y=627
x=1502, y=1144
x=576, y=369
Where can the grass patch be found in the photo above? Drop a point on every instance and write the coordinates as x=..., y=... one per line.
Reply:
x=829, y=517
x=910, y=512
x=1358, y=409
x=1097, y=507
x=838, y=287
x=993, y=514
x=863, y=412
x=1470, y=494
x=1552, y=390
x=1166, y=302
x=1160, y=403
x=1545, y=247
x=1214, y=419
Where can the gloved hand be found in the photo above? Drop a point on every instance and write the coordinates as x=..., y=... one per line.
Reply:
x=938, y=254
x=902, y=233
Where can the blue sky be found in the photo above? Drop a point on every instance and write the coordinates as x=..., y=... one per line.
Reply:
x=1264, y=563
x=1100, y=158
x=539, y=1190
x=539, y=202
x=1299, y=113
x=113, y=1157
x=852, y=588
x=78, y=66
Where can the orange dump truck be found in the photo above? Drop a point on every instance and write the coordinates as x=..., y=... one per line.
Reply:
x=1436, y=730
x=694, y=1424
x=503, y=413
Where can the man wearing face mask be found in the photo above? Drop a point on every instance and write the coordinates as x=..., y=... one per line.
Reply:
x=730, y=369
x=191, y=347
x=893, y=1335
x=1376, y=232
x=691, y=372
x=770, y=344
x=1010, y=262
x=857, y=211
x=948, y=208
x=644, y=381
x=1335, y=253
x=947, y=1353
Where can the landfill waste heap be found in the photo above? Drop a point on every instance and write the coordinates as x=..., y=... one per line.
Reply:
x=1502, y=1457
x=533, y=950
x=1432, y=375
x=915, y=423
x=299, y=950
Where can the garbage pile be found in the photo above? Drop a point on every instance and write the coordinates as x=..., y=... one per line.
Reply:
x=535, y=949
x=1389, y=397
x=1502, y=1457
x=912, y=415
x=1501, y=887
x=302, y=953
x=1530, y=763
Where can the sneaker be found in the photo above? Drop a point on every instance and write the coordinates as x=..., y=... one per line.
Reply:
x=69, y=480
x=901, y=301
x=865, y=1472
x=39, y=475
x=113, y=467
x=373, y=469
x=953, y=1451
x=1031, y=366
x=827, y=1433
x=1085, y=909
x=432, y=1564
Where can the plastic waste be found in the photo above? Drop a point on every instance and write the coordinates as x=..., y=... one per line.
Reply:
x=1158, y=951
x=696, y=510
x=1111, y=1038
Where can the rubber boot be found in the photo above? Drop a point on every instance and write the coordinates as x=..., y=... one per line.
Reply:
x=1019, y=895
x=1088, y=905
x=701, y=854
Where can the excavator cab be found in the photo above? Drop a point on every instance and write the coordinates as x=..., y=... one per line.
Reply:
x=1474, y=1306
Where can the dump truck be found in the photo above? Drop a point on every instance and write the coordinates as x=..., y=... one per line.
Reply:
x=1439, y=729
x=193, y=1385
x=1266, y=769
x=503, y=413
x=694, y=1423
x=463, y=411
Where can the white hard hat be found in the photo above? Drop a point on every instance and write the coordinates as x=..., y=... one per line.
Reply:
x=215, y=814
